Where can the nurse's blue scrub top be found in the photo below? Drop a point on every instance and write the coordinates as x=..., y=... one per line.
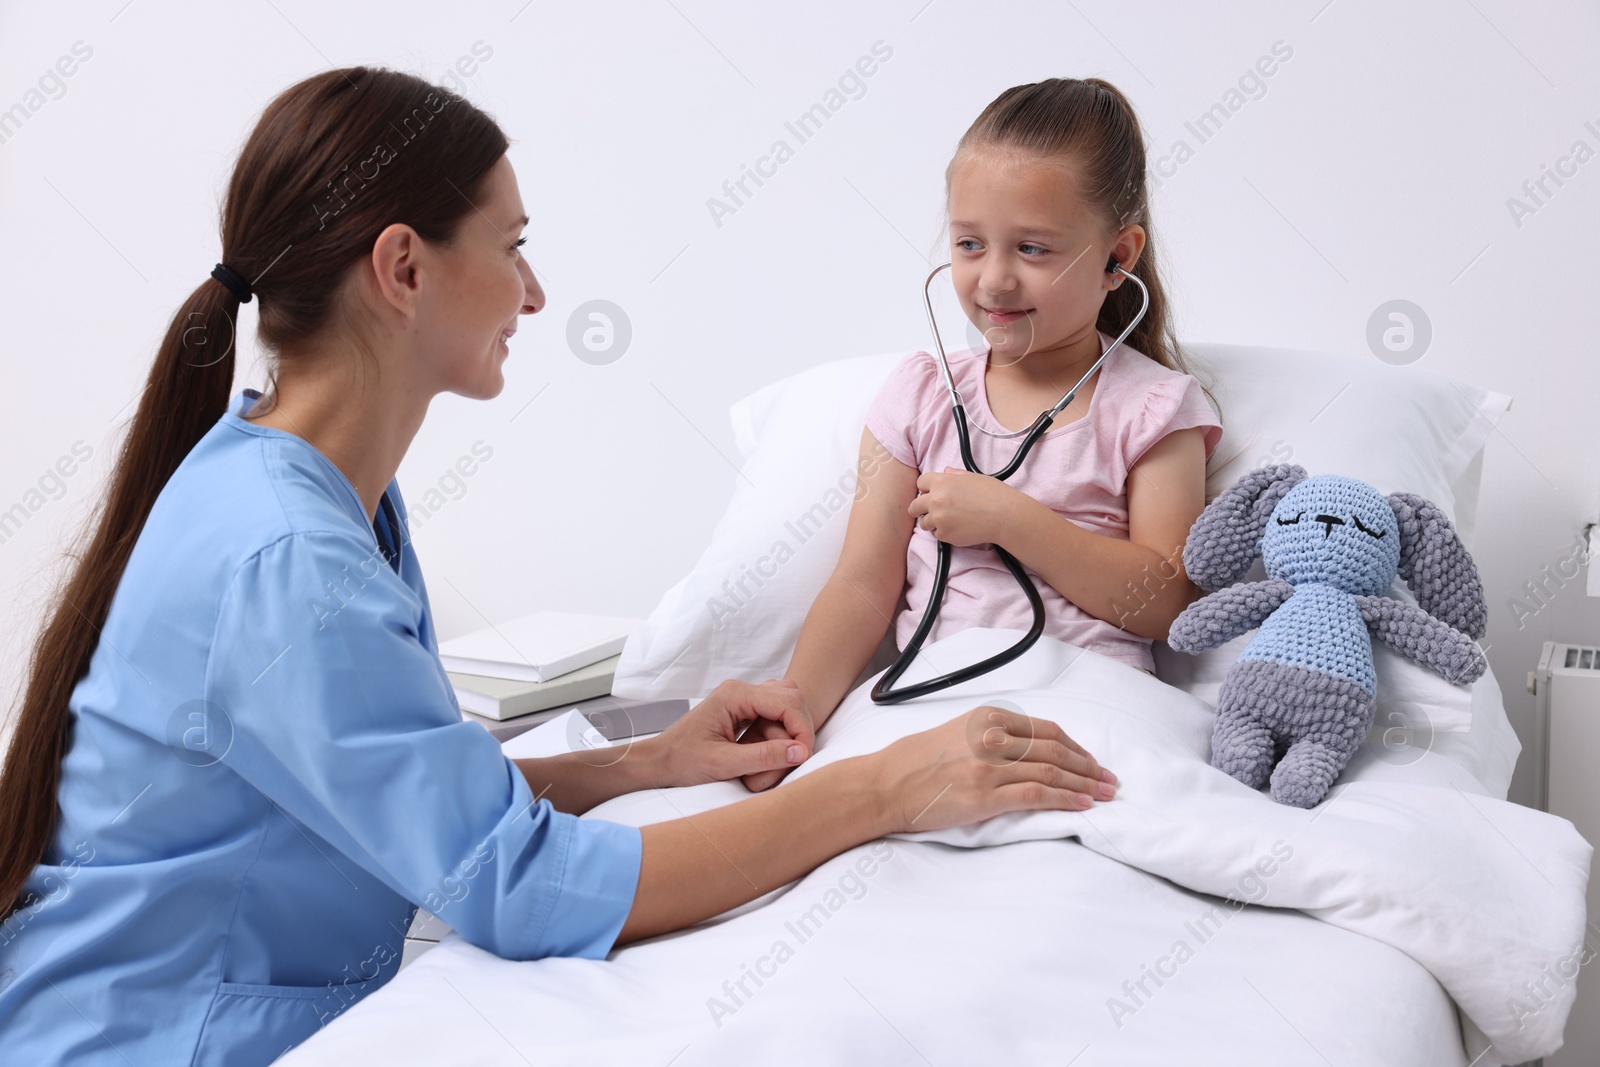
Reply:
x=267, y=773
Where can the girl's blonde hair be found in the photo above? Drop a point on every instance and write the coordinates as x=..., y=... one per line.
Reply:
x=1089, y=124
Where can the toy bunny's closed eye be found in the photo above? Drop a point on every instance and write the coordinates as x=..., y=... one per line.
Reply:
x=1303, y=691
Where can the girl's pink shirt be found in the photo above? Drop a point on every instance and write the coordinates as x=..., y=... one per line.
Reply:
x=1079, y=470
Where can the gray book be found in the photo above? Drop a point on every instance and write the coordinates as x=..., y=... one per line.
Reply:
x=616, y=718
x=503, y=698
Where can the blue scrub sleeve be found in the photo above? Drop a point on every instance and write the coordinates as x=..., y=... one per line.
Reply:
x=342, y=718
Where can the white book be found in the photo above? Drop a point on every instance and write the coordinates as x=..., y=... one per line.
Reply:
x=537, y=647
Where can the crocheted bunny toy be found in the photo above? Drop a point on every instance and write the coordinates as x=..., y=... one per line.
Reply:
x=1303, y=691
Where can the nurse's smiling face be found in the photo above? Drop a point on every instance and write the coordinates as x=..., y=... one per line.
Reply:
x=488, y=286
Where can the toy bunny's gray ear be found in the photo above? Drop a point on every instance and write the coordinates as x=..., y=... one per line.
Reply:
x=1435, y=565
x=1226, y=539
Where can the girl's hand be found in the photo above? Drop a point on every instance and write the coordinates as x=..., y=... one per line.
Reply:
x=704, y=746
x=763, y=731
x=963, y=508
x=985, y=763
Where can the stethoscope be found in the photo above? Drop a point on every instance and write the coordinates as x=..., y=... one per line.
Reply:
x=881, y=692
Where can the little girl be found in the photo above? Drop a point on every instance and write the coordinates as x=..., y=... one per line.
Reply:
x=1045, y=187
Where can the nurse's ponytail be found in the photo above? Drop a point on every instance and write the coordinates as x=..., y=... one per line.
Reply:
x=1088, y=124
x=332, y=161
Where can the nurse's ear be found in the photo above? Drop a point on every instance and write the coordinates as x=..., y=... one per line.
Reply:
x=399, y=261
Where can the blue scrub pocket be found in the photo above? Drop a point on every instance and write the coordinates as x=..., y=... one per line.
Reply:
x=252, y=1025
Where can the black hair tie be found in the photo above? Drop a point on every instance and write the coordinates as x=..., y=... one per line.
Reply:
x=236, y=284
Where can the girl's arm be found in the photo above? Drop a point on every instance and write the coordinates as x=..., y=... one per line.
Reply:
x=1138, y=584
x=848, y=619
x=850, y=615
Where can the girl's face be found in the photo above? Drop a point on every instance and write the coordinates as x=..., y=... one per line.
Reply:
x=1028, y=257
x=489, y=287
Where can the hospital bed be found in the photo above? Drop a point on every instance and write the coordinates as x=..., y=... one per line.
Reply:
x=1413, y=919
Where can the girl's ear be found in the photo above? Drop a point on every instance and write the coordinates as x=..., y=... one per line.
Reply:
x=1436, y=567
x=1126, y=249
x=1226, y=539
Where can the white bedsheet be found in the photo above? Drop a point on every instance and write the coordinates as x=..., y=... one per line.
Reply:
x=1040, y=948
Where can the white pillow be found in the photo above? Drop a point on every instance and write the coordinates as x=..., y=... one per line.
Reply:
x=1396, y=428
x=738, y=613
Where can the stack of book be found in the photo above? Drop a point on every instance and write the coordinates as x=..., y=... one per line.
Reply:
x=540, y=662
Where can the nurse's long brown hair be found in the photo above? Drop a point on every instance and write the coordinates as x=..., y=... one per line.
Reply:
x=333, y=161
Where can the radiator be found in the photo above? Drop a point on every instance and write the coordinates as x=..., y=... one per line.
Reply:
x=1566, y=751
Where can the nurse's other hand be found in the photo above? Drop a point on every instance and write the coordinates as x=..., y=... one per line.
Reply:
x=704, y=745
x=985, y=763
x=765, y=730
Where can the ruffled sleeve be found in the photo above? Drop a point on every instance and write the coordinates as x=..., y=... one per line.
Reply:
x=900, y=403
x=1175, y=402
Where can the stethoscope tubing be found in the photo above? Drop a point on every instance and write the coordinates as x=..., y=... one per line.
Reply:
x=883, y=691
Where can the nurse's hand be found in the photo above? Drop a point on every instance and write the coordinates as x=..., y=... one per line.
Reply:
x=978, y=765
x=765, y=730
x=984, y=763
x=704, y=745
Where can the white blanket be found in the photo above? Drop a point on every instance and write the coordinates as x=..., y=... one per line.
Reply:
x=1042, y=949
x=1486, y=894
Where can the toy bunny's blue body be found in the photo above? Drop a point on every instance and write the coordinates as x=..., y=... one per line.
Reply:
x=1319, y=628
x=1303, y=692
x=1332, y=539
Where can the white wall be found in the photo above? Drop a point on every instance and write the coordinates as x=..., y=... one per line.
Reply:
x=1377, y=165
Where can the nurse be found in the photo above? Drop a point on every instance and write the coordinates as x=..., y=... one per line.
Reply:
x=239, y=767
